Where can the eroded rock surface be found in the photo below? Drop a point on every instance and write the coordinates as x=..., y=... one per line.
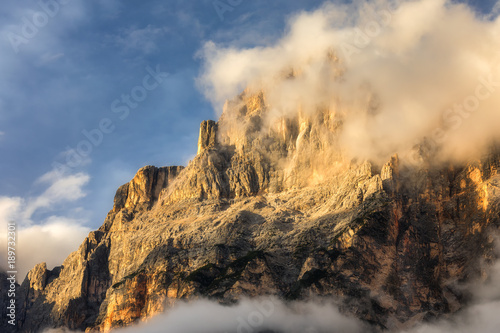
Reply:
x=274, y=208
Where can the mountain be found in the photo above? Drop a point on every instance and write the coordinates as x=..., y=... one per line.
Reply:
x=272, y=205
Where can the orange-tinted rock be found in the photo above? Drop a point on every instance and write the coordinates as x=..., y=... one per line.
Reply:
x=277, y=210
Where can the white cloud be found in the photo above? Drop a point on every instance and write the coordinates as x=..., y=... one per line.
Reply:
x=315, y=316
x=49, y=240
x=9, y=208
x=482, y=318
x=271, y=314
x=62, y=188
x=490, y=289
x=417, y=62
x=251, y=315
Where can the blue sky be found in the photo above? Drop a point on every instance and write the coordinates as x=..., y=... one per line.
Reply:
x=62, y=79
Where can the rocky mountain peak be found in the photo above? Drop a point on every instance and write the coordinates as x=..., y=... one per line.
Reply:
x=208, y=135
x=144, y=189
x=37, y=277
x=271, y=205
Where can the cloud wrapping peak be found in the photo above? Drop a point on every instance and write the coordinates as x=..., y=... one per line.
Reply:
x=395, y=72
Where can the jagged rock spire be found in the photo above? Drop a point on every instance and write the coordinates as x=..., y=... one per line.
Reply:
x=208, y=135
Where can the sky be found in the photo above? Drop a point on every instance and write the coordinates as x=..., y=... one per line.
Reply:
x=60, y=80
x=91, y=91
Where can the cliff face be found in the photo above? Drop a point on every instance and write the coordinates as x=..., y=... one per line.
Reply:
x=274, y=208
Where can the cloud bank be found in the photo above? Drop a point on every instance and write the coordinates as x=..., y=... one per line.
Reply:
x=49, y=239
x=269, y=314
x=395, y=72
x=249, y=315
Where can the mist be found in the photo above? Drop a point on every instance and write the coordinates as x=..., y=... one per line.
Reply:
x=397, y=74
x=482, y=314
x=249, y=315
x=266, y=314
x=270, y=314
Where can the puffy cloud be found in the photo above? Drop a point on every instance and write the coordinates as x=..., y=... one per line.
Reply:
x=316, y=316
x=49, y=239
x=9, y=207
x=50, y=242
x=393, y=71
x=249, y=315
x=477, y=318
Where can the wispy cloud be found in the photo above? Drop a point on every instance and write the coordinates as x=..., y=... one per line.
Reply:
x=62, y=188
x=51, y=57
x=140, y=39
x=479, y=316
x=496, y=10
x=314, y=316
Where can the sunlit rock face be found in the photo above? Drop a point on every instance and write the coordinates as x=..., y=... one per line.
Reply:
x=271, y=206
x=144, y=189
x=208, y=135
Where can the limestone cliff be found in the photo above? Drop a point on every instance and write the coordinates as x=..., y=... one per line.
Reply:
x=275, y=208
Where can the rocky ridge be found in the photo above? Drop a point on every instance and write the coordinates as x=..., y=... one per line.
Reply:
x=272, y=207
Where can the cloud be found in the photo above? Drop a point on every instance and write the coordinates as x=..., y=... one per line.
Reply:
x=49, y=239
x=9, y=207
x=249, y=315
x=477, y=318
x=49, y=29
x=496, y=10
x=480, y=316
x=50, y=242
x=489, y=290
x=51, y=57
x=315, y=316
x=393, y=75
x=62, y=188
x=140, y=39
